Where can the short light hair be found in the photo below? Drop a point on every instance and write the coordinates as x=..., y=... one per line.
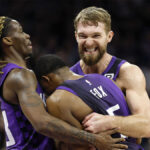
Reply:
x=93, y=15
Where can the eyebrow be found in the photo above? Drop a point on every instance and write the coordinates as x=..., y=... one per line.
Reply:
x=80, y=33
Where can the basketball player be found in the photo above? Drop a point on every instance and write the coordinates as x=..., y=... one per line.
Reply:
x=77, y=96
x=23, y=110
x=93, y=33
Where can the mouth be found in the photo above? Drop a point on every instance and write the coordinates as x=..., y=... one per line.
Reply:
x=29, y=44
x=90, y=50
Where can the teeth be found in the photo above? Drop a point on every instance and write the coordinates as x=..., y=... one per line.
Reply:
x=90, y=50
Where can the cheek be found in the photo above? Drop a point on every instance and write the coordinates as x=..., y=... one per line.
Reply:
x=102, y=41
x=44, y=86
x=81, y=42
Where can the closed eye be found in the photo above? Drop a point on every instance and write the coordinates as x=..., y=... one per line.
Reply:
x=82, y=36
x=97, y=36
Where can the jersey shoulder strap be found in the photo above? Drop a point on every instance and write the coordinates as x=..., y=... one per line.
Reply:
x=113, y=68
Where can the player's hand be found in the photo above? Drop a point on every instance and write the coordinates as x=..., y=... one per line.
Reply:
x=2, y=64
x=106, y=142
x=96, y=123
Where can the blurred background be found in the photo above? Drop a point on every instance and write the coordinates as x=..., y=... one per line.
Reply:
x=50, y=25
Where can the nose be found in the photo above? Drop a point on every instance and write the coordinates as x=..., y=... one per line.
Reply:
x=27, y=36
x=89, y=42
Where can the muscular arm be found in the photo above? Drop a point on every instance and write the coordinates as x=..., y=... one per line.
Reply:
x=136, y=125
x=57, y=105
x=61, y=104
x=23, y=85
x=66, y=106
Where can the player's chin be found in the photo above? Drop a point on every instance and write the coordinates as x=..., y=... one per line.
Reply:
x=29, y=53
x=30, y=50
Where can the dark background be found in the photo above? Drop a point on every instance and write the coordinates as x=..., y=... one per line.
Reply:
x=50, y=25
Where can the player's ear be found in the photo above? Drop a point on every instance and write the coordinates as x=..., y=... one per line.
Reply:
x=45, y=78
x=75, y=33
x=110, y=36
x=48, y=77
x=7, y=41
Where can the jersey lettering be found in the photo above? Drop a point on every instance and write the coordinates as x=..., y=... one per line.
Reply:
x=98, y=92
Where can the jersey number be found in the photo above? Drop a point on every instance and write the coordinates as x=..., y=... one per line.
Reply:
x=111, y=113
x=112, y=109
x=11, y=140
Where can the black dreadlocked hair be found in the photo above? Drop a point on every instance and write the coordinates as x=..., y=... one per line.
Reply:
x=47, y=64
x=4, y=30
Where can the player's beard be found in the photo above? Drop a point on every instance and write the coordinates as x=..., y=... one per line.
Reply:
x=91, y=59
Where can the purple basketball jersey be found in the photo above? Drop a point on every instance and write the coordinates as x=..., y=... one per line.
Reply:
x=111, y=71
x=102, y=96
x=20, y=135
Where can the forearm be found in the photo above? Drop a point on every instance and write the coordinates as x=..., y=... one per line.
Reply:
x=62, y=131
x=50, y=126
x=135, y=125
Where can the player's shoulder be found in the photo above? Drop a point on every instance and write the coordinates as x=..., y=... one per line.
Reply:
x=25, y=71
x=20, y=77
x=61, y=99
x=131, y=75
x=130, y=69
x=21, y=73
x=60, y=96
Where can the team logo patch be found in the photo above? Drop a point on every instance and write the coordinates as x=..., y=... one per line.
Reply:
x=109, y=75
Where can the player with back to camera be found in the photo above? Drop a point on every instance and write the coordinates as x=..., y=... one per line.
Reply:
x=75, y=96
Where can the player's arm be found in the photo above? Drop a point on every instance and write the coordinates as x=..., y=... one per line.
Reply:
x=59, y=104
x=135, y=125
x=23, y=83
x=138, y=124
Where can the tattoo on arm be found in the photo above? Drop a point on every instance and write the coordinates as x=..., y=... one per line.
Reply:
x=35, y=99
x=70, y=134
x=54, y=127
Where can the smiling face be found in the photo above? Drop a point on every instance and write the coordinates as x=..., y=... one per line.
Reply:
x=92, y=41
x=20, y=40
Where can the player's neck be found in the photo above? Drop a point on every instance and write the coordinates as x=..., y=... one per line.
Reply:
x=74, y=76
x=97, y=68
x=14, y=57
x=69, y=75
